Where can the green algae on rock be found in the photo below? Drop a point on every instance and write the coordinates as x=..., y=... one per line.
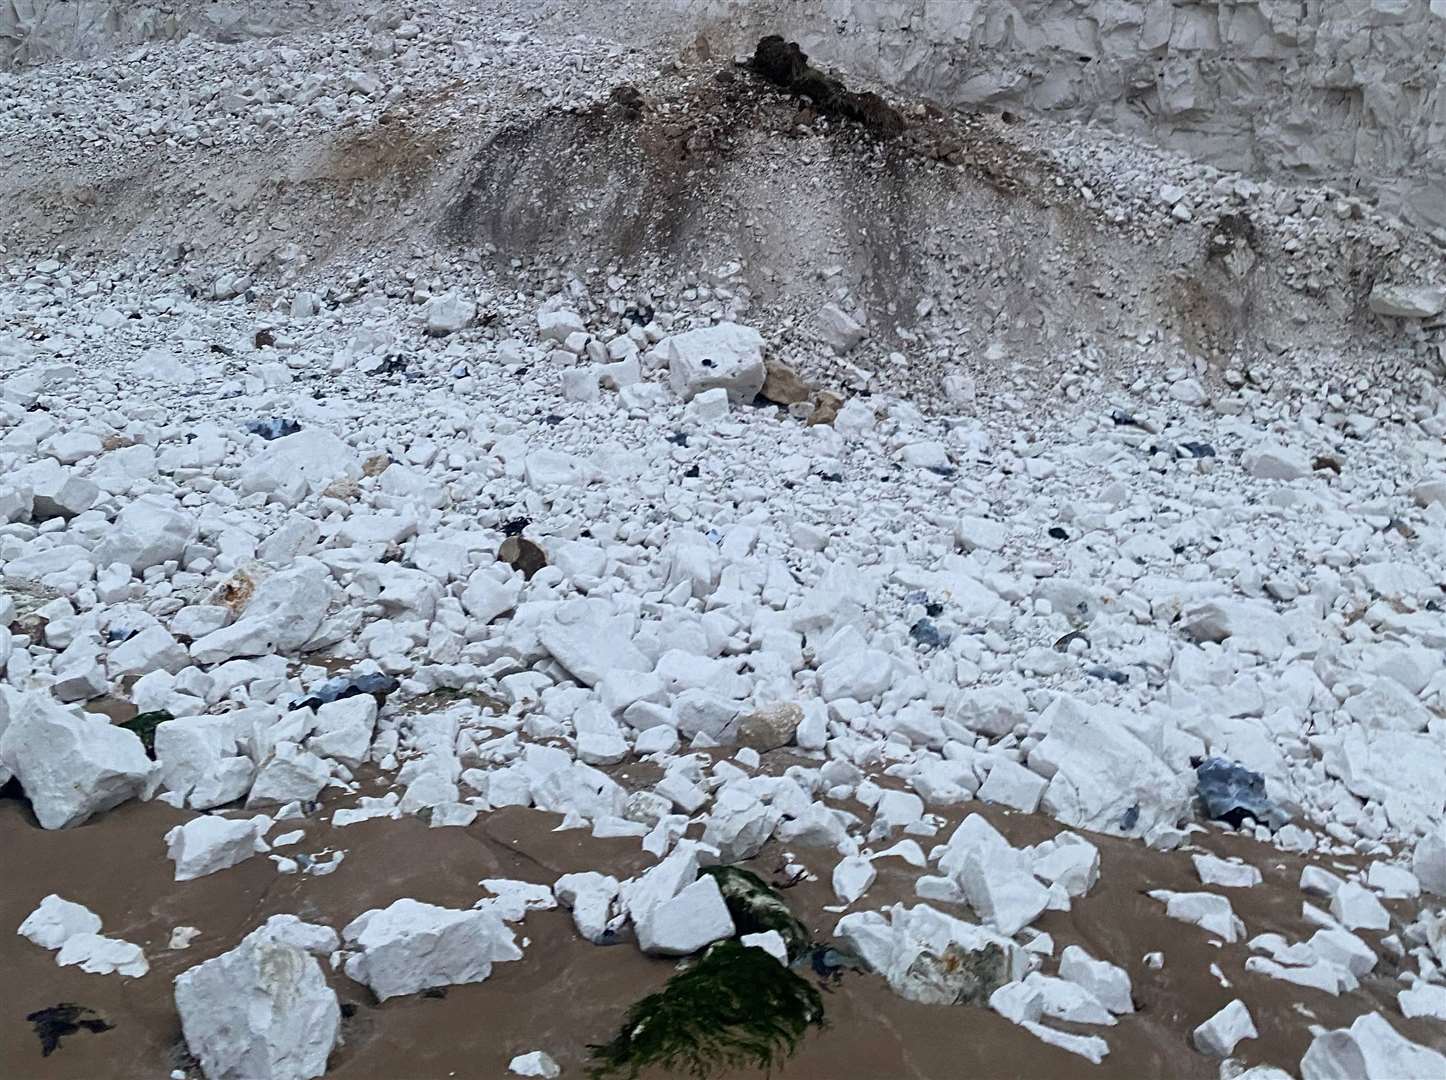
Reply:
x=733, y=1007
x=756, y=908
x=144, y=725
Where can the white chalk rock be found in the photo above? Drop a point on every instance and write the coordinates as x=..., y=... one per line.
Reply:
x=314, y=938
x=1108, y=983
x=590, y=897
x=534, y=1063
x=838, y=329
x=1018, y=1002
x=293, y=465
x=1356, y=908
x=1423, y=999
x=412, y=946
x=289, y=775
x=1006, y=897
x=1208, y=911
x=153, y=649
x=485, y=597
x=343, y=729
x=101, y=955
x=71, y=767
x=262, y=1011
x=1228, y=875
x=1271, y=461
x=286, y=611
x=1011, y=784
x=770, y=941
x=727, y=356
x=1074, y=864
x=448, y=313
x=1408, y=301
x=56, y=491
x=146, y=533
x=852, y=878
x=557, y=325
x=1428, y=862
x=56, y=921
x=1102, y=777
x=1090, y=1047
x=1370, y=1049
x=208, y=843
x=1219, y=1035
x=1068, y=1001
x=685, y=923
x=590, y=646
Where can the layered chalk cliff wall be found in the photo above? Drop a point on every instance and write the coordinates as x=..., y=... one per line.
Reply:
x=1346, y=91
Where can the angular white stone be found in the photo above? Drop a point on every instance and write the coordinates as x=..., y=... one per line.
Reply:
x=71, y=768
x=1228, y=875
x=1102, y=777
x=286, y=611
x=1090, y=1047
x=55, y=921
x=1220, y=1034
x=838, y=329
x=1208, y=911
x=1428, y=862
x=100, y=955
x=1408, y=301
x=1068, y=1001
x=314, y=938
x=448, y=313
x=852, y=878
x=146, y=533
x=153, y=649
x=728, y=355
x=534, y=1063
x=1074, y=865
x=411, y=946
x=343, y=729
x=262, y=1011
x=590, y=896
x=1011, y=784
x=590, y=647
x=1109, y=984
x=771, y=942
x=1370, y=1049
x=1423, y=999
x=1003, y=895
x=1357, y=908
x=685, y=923
x=1271, y=461
x=210, y=843
x=295, y=464
x=289, y=775
x=1018, y=1002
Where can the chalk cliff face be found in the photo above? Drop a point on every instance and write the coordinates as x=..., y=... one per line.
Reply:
x=1347, y=91
x=1351, y=91
x=37, y=31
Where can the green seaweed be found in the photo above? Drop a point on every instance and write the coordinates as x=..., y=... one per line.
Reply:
x=733, y=1007
x=144, y=725
x=756, y=908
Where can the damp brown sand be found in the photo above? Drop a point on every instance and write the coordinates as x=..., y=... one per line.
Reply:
x=567, y=993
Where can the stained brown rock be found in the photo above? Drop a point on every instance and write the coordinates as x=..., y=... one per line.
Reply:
x=771, y=727
x=826, y=408
x=522, y=554
x=782, y=385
